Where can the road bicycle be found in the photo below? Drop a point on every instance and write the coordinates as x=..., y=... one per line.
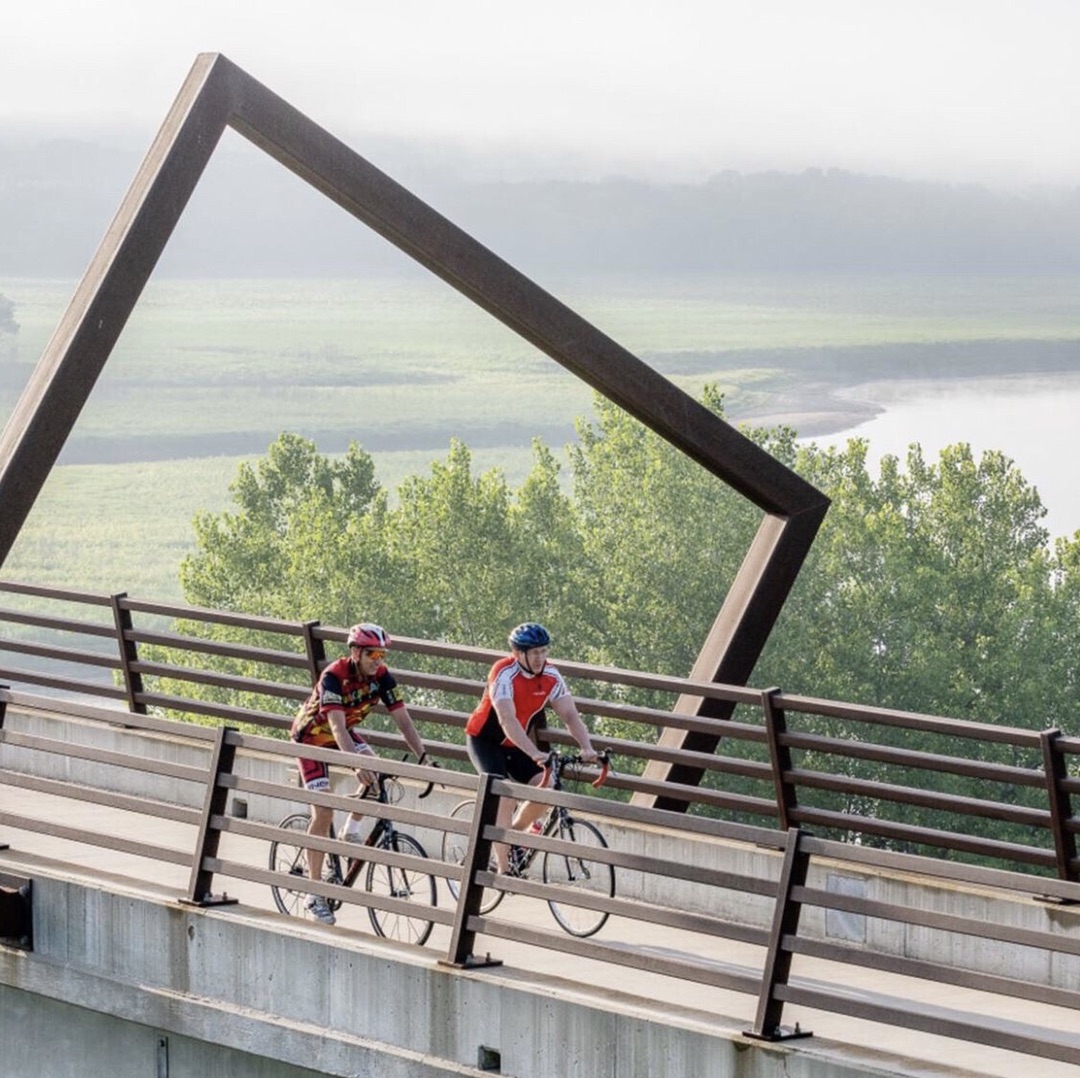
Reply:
x=576, y=870
x=390, y=881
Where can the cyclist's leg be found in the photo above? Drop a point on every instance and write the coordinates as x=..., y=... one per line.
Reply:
x=524, y=769
x=351, y=829
x=315, y=776
x=491, y=758
x=521, y=768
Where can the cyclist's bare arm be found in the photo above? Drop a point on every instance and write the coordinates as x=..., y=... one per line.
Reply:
x=567, y=710
x=336, y=719
x=504, y=709
x=408, y=730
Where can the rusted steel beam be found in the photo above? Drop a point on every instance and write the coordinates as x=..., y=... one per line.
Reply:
x=217, y=94
x=90, y=327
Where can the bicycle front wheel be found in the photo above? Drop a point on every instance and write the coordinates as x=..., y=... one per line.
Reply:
x=453, y=853
x=580, y=872
x=290, y=859
x=406, y=885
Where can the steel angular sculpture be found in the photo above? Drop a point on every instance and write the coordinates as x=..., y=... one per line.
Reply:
x=216, y=95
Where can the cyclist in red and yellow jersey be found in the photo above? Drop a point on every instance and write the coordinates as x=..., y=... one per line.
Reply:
x=498, y=739
x=347, y=690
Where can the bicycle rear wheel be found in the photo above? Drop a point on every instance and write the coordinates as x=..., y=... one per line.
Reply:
x=581, y=873
x=291, y=859
x=453, y=853
x=406, y=884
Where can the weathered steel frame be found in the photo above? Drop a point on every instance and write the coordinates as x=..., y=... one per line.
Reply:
x=216, y=95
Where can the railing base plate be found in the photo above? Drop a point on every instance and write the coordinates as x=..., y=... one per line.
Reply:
x=779, y=1033
x=210, y=900
x=472, y=962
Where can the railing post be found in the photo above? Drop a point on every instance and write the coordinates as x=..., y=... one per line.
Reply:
x=129, y=653
x=470, y=893
x=1060, y=805
x=222, y=757
x=316, y=652
x=3, y=712
x=780, y=756
x=786, y=913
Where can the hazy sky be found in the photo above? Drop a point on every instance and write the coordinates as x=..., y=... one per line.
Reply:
x=962, y=90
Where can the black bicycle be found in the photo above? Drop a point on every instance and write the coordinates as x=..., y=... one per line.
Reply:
x=575, y=870
x=390, y=881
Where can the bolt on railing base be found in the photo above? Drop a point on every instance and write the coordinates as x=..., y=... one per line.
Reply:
x=778, y=1033
x=472, y=962
x=210, y=900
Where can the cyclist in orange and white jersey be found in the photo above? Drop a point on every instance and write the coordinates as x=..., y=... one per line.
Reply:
x=498, y=733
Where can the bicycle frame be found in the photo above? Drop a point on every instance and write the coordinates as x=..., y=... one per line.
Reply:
x=381, y=827
x=557, y=817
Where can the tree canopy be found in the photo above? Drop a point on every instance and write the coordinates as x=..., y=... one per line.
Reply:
x=931, y=587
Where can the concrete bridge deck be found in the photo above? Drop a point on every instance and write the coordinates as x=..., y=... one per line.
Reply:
x=866, y=1047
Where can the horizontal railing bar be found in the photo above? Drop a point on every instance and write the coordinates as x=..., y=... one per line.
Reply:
x=110, y=716
x=911, y=795
x=925, y=836
x=46, y=591
x=910, y=720
x=218, y=711
x=47, y=621
x=217, y=647
x=142, y=806
x=373, y=854
x=992, y=1031
x=979, y=927
x=61, y=655
x=716, y=975
x=915, y=864
x=920, y=969
x=66, y=684
x=222, y=681
x=656, y=866
x=76, y=751
x=915, y=759
x=737, y=731
x=182, y=612
x=726, y=765
x=353, y=896
x=95, y=838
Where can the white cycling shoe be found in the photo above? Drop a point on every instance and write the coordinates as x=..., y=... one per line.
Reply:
x=320, y=909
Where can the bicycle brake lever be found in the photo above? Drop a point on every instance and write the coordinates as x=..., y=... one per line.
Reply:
x=605, y=767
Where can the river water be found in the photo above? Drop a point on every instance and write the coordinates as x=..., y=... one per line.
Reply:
x=1030, y=418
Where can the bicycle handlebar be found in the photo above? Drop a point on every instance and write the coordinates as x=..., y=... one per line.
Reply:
x=556, y=761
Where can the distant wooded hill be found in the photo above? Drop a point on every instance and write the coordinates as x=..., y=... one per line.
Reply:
x=251, y=218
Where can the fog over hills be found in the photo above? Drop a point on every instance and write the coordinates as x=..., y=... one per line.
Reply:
x=250, y=218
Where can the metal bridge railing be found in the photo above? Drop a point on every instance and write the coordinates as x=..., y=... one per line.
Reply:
x=681, y=852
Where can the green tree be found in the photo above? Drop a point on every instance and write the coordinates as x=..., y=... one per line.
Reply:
x=663, y=537
x=295, y=538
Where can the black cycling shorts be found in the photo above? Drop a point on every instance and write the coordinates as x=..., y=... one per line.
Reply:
x=505, y=761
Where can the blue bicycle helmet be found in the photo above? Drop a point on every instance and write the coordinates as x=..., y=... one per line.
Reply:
x=529, y=634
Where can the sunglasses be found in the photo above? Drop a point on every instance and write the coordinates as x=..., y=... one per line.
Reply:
x=375, y=653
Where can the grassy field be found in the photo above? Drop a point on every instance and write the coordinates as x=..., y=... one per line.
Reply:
x=208, y=373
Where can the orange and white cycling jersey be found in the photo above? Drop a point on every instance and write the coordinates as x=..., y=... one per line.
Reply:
x=529, y=693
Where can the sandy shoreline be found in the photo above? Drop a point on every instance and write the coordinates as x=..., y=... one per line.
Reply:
x=819, y=410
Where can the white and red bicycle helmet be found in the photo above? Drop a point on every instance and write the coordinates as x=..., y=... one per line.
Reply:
x=368, y=635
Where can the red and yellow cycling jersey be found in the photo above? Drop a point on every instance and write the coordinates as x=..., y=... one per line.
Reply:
x=530, y=693
x=342, y=686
